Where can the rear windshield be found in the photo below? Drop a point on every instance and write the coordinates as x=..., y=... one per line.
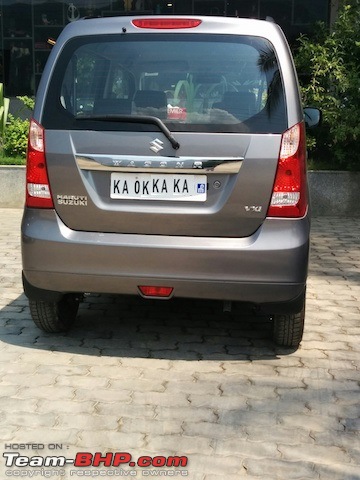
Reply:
x=207, y=83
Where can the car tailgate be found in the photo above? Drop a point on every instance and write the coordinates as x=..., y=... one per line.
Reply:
x=237, y=170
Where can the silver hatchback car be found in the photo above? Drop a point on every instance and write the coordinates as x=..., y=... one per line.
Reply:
x=167, y=158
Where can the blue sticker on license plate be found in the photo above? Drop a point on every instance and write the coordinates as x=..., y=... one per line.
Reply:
x=201, y=188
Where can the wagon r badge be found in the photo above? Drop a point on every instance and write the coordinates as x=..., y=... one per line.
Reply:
x=156, y=145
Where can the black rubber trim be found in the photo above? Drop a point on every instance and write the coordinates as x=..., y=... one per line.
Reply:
x=35, y=293
x=292, y=306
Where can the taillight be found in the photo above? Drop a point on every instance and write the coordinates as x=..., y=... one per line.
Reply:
x=38, y=194
x=166, y=23
x=154, y=291
x=289, y=197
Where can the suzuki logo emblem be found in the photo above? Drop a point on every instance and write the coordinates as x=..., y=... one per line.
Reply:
x=156, y=145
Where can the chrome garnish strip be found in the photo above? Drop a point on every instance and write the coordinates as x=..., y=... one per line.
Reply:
x=149, y=164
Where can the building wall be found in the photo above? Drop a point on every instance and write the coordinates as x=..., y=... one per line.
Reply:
x=27, y=27
x=334, y=7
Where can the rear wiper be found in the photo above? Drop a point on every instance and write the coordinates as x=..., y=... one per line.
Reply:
x=135, y=119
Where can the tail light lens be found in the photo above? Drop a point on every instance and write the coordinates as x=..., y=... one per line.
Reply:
x=166, y=23
x=289, y=197
x=38, y=194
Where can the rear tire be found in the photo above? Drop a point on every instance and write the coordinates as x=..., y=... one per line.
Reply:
x=288, y=329
x=55, y=316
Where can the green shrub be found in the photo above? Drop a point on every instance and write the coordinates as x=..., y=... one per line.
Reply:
x=27, y=101
x=16, y=132
x=330, y=62
x=12, y=160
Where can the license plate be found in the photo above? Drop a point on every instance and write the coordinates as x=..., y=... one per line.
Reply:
x=148, y=186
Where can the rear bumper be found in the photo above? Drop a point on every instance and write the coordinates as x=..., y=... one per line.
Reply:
x=269, y=267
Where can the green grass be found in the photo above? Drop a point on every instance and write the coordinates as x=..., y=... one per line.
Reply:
x=12, y=160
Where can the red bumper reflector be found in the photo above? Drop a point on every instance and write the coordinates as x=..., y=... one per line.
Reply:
x=151, y=291
x=166, y=23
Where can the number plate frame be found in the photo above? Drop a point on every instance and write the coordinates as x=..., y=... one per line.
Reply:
x=157, y=186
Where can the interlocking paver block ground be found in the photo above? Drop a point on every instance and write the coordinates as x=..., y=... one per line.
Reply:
x=184, y=378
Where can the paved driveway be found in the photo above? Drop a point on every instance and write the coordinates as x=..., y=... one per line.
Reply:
x=185, y=379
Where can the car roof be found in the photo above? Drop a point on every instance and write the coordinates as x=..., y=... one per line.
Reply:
x=210, y=24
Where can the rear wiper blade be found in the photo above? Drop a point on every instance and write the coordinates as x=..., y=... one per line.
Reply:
x=135, y=119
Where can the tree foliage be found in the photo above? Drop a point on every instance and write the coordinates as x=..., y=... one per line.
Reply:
x=329, y=62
